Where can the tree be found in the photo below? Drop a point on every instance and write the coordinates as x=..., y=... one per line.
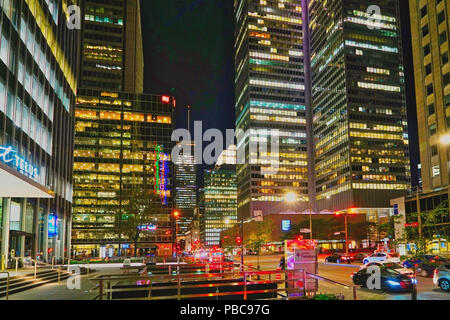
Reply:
x=139, y=206
x=260, y=237
x=433, y=223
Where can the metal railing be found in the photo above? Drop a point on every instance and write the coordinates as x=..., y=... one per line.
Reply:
x=176, y=282
x=105, y=284
x=7, y=283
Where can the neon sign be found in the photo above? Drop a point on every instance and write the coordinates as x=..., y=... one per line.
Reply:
x=52, y=230
x=161, y=172
x=9, y=156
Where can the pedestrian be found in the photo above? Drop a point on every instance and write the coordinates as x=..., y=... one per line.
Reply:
x=282, y=263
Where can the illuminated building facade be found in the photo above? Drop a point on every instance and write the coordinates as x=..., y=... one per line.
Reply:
x=122, y=136
x=121, y=140
x=220, y=201
x=358, y=99
x=112, y=54
x=270, y=95
x=430, y=33
x=37, y=97
x=185, y=190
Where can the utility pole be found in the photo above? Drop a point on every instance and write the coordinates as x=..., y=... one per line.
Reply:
x=346, y=234
x=419, y=219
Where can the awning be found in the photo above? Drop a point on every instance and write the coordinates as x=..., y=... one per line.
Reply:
x=13, y=184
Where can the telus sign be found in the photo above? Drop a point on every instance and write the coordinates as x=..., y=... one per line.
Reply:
x=9, y=156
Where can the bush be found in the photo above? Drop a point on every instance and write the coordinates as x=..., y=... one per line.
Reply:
x=324, y=296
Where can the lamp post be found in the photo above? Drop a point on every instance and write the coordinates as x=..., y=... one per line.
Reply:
x=291, y=197
x=338, y=213
x=176, y=215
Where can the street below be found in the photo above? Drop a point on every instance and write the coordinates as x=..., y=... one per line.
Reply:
x=341, y=273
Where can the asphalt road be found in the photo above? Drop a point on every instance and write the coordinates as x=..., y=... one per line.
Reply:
x=426, y=290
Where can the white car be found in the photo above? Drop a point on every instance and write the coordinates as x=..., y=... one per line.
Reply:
x=391, y=265
x=442, y=277
x=380, y=257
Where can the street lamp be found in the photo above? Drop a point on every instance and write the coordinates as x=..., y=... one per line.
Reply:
x=445, y=139
x=291, y=197
x=176, y=215
x=338, y=213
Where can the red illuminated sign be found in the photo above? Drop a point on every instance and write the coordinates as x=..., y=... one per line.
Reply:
x=413, y=225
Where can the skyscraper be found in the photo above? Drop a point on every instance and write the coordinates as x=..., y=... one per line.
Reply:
x=430, y=32
x=270, y=96
x=112, y=55
x=358, y=100
x=185, y=190
x=38, y=52
x=122, y=138
x=220, y=200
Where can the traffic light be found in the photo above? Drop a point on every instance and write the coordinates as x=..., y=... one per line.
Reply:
x=176, y=214
x=238, y=241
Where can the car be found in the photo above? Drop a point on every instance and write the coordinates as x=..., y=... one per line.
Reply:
x=339, y=258
x=441, y=277
x=359, y=257
x=409, y=263
x=426, y=269
x=390, y=280
x=391, y=265
x=380, y=257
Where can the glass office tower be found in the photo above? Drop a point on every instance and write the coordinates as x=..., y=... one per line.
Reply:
x=112, y=57
x=122, y=141
x=270, y=95
x=122, y=137
x=220, y=203
x=37, y=94
x=359, y=110
x=185, y=190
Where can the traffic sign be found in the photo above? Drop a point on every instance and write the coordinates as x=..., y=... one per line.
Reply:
x=413, y=225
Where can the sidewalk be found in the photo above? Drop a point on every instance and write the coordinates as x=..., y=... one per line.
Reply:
x=55, y=291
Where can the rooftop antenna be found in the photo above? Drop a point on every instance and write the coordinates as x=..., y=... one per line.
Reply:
x=189, y=118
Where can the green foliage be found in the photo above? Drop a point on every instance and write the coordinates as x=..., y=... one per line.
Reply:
x=431, y=225
x=324, y=296
x=139, y=208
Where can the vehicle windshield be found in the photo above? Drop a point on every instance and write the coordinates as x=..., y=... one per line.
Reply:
x=389, y=271
x=392, y=266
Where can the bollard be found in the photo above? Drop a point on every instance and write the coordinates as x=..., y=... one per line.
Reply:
x=414, y=287
x=245, y=286
x=304, y=282
x=35, y=269
x=100, y=290
x=17, y=265
x=354, y=293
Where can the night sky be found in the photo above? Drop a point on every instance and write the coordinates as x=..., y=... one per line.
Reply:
x=188, y=49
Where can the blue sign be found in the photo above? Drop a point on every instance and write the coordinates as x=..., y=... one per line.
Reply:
x=395, y=209
x=125, y=246
x=52, y=225
x=286, y=225
x=147, y=227
x=9, y=156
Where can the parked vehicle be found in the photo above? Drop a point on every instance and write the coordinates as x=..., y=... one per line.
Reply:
x=339, y=258
x=380, y=257
x=359, y=257
x=408, y=263
x=390, y=280
x=442, y=277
